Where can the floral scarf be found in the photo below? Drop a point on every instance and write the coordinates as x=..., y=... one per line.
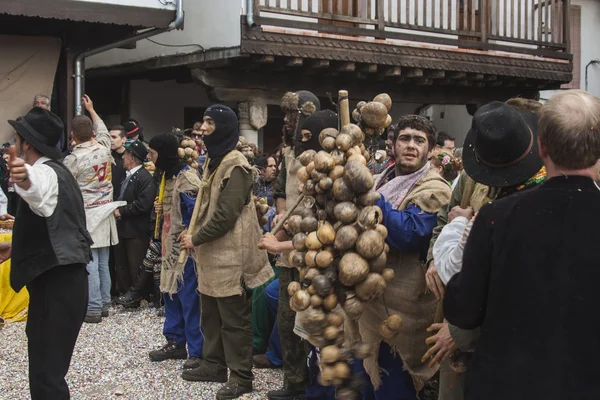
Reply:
x=396, y=187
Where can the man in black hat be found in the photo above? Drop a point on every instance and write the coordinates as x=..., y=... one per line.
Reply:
x=530, y=268
x=133, y=224
x=496, y=131
x=133, y=130
x=51, y=248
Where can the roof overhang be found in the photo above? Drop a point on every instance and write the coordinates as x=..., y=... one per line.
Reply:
x=138, y=13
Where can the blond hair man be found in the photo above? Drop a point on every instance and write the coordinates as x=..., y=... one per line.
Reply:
x=529, y=275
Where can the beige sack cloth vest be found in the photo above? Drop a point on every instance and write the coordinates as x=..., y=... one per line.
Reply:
x=227, y=262
x=292, y=165
x=187, y=181
x=407, y=295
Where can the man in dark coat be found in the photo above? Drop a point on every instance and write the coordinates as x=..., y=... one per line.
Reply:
x=530, y=271
x=50, y=250
x=133, y=224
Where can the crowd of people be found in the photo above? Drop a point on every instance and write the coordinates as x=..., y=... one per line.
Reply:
x=491, y=244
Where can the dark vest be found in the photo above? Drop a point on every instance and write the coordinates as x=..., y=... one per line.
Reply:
x=39, y=243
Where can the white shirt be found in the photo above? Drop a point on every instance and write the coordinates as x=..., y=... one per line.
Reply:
x=42, y=195
x=449, y=248
x=132, y=171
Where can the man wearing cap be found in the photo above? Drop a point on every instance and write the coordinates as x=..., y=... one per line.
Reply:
x=297, y=106
x=133, y=224
x=91, y=165
x=530, y=267
x=50, y=249
x=493, y=124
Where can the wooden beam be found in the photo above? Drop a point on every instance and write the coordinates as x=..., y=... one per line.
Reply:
x=456, y=75
x=435, y=74
x=318, y=64
x=422, y=81
x=295, y=62
x=414, y=73
x=489, y=78
x=346, y=67
x=264, y=59
x=475, y=77
x=368, y=68
x=389, y=71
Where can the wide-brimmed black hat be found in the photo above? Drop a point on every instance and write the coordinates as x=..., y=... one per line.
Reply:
x=501, y=149
x=138, y=149
x=42, y=129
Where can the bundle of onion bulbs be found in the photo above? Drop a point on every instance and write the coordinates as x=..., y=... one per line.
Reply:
x=340, y=249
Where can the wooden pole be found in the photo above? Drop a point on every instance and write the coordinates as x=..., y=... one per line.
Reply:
x=287, y=215
x=344, y=108
x=183, y=253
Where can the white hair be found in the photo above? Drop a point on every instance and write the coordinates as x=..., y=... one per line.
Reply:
x=42, y=95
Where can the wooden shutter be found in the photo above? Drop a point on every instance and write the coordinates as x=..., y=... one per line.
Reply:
x=575, y=38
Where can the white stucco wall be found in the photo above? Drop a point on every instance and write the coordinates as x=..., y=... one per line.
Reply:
x=208, y=24
x=453, y=119
x=590, y=50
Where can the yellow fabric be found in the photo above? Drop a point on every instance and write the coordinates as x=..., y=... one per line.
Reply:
x=13, y=306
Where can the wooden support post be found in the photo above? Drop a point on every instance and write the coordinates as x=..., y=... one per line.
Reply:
x=346, y=67
x=414, y=73
x=456, y=75
x=368, y=68
x=319, y=64
x=435, y=74
x=389, y=71
x=295, y=62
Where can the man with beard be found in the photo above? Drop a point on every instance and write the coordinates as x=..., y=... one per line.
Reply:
x=178, y=281
x=297, y=107
x=50, y=250
x=411, y=195
x=227, y=256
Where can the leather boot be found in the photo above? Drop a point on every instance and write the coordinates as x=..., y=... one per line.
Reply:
x=138, y=290
x=287, y=394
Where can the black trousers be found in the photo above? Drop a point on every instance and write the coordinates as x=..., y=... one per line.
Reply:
x=129, y=254
x=57, y=306
x=227, y=326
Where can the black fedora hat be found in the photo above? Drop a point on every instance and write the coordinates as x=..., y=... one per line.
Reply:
x=501, y=149
x=42, y=129
x=138, y=149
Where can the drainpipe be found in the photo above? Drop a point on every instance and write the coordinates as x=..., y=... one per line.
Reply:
x=80, y=59
x=250, y=13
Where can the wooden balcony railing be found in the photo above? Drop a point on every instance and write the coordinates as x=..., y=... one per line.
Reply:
x=536, y=27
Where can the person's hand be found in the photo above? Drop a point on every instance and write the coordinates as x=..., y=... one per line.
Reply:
x=185, y=241
x=18, y=172
x=460, y=212
x=87, y=103
x=182, y=234
x=276, y=219
x=442, y=344
x=434, y=283
x=6, y=217
x=158, y=207
x=117, y=213
x=5, y=251
x=270, y=243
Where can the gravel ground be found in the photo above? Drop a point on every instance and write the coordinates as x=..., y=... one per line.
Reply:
x=111, y=361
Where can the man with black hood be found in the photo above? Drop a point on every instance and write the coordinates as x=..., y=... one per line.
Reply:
x=308, y=139
x=178, y=281
x=227, y=256
x=298, y=108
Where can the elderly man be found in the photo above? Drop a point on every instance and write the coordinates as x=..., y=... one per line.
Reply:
x=51, y=248
x=41, y=100
x=529, y=274
x=411, y=195
x=90, y=164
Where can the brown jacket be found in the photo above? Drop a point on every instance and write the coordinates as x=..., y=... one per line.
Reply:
x=223, y=264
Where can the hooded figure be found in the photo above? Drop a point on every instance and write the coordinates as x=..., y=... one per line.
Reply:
x=227, y=255
x=178, y=281
x=225, y=135
x=312, y=127
x=297, y=106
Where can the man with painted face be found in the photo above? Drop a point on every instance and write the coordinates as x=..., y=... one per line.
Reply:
x=178, y=281
x=297, y=107
x=411, y=194
x=227, y=256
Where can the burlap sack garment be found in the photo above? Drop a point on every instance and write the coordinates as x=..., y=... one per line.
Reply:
x=223, y=264
x=292, y=165
x=187, y=181
x=407, y=295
